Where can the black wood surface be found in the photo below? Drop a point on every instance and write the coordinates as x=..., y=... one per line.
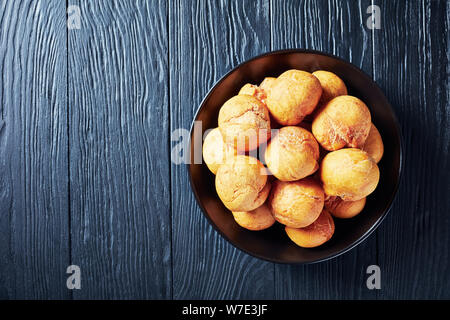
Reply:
x=34, y=229
x=411, y=63
x=119, y=173
x=85, y=144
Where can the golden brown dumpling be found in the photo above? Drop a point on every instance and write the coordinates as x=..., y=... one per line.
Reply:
x=259, y=219
x=296, y=204
x=292, y=154
x=314, y=235
x=342, y=122
x=241, y=183
x=244, y=122
x=350, y=174
x=332, y=86
x=292, y=96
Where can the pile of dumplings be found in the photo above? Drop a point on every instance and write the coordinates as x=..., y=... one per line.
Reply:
x=320, y=161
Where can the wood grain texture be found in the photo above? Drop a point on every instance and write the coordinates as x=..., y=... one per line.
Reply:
x=412, y=67
x=85, y=122
x=34, y=251
x=207, y=39
x=119, y=173
x=336, y=27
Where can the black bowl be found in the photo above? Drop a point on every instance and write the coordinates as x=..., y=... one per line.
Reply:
x=273, y=244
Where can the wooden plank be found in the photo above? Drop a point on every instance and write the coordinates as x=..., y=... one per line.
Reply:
x=119, y=150
x=337, y=27
x=34, y=251
x=206, y=40
x=412, y=54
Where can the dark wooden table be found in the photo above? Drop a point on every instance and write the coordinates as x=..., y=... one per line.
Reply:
x=85, y=143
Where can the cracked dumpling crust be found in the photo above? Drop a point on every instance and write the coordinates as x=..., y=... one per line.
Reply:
x=215, y=150
x=343, y=122
x=350, y=174
x=267, y=83
x=314, y=235
x=292, y=154
x=332, y=86
x=244, y=122
x=292, y=96
x=259, y=92
x=241, y=183
x=255, y=91
x=374, y=144
x=259, y=219
x=344, y=209
x=296, y=204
